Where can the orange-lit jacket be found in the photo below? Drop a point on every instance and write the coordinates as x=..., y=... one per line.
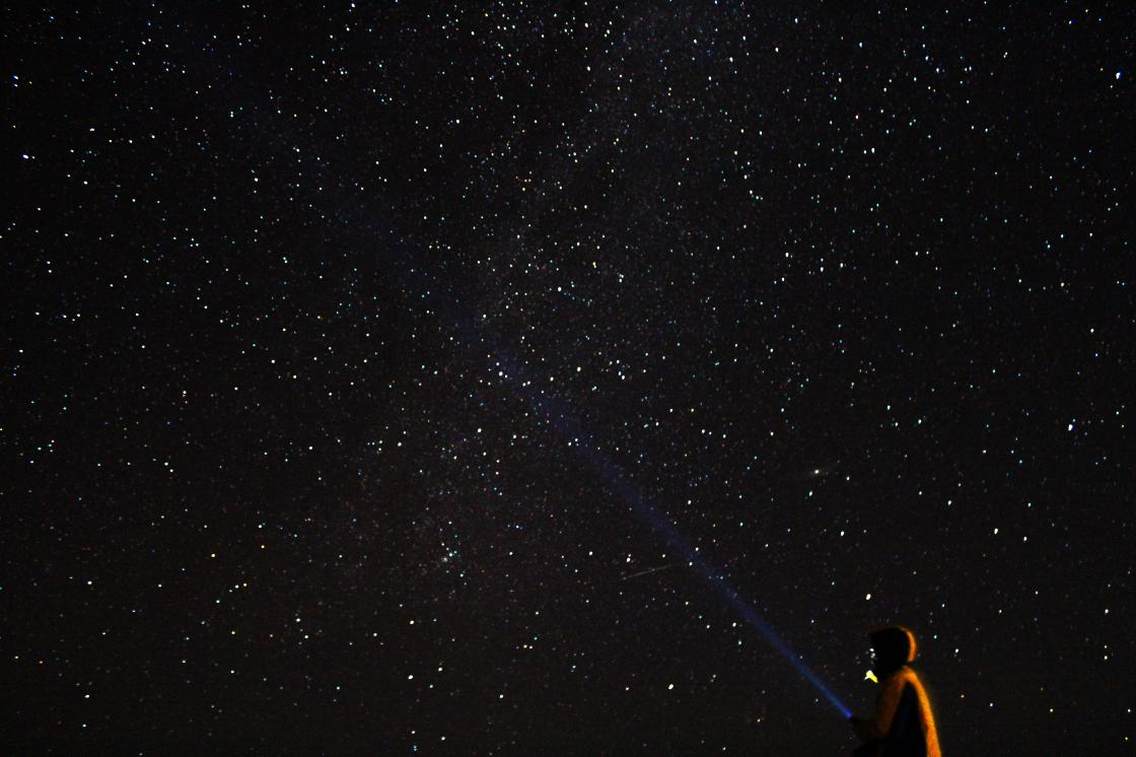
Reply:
x=903, y=720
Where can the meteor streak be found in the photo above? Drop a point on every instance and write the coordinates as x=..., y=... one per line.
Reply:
x=646, y=572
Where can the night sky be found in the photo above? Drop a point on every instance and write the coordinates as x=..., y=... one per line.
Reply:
x=366, y=366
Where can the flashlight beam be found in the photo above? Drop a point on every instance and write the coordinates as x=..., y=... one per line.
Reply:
x=558, y=414
x=662, y=525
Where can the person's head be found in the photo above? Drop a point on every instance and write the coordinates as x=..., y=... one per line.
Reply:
x=894, y=647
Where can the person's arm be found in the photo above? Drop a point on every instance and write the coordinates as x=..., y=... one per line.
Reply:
x=877, y=726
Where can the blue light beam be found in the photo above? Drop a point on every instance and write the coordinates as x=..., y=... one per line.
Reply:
x=558, y=414
x=613, y=475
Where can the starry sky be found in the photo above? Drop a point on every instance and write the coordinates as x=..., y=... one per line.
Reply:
x=358, y=360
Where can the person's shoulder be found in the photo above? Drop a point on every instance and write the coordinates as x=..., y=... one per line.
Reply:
x=895, y=680
x=904, y=673
x=908, y=674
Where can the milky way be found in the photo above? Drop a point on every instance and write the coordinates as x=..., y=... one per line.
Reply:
x=451, y=378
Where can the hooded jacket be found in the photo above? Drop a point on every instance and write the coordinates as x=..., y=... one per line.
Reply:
x=903, y=724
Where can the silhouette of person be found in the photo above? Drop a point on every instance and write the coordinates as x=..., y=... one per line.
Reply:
x=903, y=724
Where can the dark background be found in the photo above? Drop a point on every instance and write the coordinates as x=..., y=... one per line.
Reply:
x=848, y=296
